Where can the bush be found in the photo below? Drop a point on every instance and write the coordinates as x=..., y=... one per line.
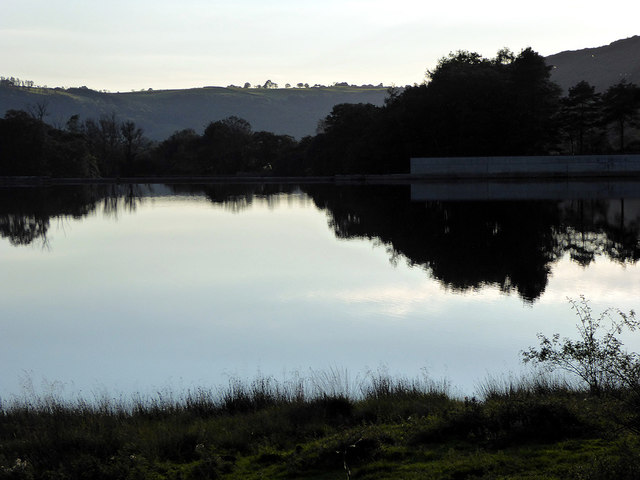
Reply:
x=598, y=357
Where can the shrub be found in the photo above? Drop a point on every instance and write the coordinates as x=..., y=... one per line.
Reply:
x=597, y=357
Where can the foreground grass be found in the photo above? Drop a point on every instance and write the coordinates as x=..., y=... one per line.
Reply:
x=388, y=428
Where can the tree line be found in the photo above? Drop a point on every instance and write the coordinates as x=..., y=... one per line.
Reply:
x=109, y=147
x=468, y=106
x=16, y=82
x=593, y=122
x=270, y=84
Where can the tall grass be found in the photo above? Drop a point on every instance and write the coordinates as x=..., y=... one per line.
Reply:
x=239, y=418
x=303, y=422
x=238, y=396
x=532, y=385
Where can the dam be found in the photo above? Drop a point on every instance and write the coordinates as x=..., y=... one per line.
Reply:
x=526, y=166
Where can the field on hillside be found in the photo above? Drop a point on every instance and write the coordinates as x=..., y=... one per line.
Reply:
x=285, y=111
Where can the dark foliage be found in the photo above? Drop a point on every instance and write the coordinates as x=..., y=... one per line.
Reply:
x=594, y=123
x=469, y=106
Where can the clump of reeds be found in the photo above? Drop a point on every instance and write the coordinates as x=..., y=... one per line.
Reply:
x=536, y=384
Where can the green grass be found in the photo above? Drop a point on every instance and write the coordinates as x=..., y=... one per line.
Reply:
x=326, y=427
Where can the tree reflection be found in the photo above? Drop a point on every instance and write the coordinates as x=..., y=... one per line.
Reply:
x=600, y=227
x=464, y=245
x=23, y=229
x=26, y=213
x=467, y=245
x=117, y=198
x=239, y=197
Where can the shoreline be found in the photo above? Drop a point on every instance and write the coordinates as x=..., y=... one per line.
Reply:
x=357, y=179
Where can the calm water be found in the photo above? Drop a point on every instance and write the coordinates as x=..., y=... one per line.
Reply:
x=145, y=288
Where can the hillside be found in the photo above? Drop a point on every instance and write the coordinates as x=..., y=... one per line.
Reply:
x=291, y=111
x=601, y=66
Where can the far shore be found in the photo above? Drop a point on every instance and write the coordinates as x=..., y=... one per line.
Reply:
x=398, y=178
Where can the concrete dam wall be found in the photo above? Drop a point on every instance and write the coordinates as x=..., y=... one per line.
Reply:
x=533, y=166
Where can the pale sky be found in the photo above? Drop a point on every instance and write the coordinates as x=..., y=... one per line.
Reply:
x=123, y=45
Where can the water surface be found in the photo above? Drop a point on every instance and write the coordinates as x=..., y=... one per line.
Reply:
x=138, y=288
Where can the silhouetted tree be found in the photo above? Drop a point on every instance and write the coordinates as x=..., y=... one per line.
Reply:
x=621, y=105
x=22, y=144
x=39, y=110
x=73, y=124
x=178, y=154
x=580, y=118
x=463, y=108
x=132, y=142
x=271, y=153
x=472, y=105
x=534, y=101
x=67, y=155
x=104, y=142
x=29, y=146
x=346, y=140
x=114, y=144
x=225, y=146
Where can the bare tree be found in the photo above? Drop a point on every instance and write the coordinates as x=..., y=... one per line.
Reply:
x=132, y=139
x=39, y=110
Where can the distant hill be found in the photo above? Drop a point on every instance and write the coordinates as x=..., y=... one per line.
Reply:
x=600, y=66
x=287, y=111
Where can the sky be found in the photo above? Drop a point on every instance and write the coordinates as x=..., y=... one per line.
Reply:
x=162, y=44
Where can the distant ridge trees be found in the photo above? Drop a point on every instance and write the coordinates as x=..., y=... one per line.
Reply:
x=16, y=82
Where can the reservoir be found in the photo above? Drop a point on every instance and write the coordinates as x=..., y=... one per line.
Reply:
x=136, y=289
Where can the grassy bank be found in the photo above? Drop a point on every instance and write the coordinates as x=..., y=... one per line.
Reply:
x=322, y=428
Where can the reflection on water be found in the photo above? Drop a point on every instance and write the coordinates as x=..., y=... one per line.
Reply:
x=144, y=284
x=463, y=244
x=26, y=213
x=469, y=244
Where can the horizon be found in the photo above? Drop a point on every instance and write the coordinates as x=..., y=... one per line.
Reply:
x=124, y=46
x=37, y=85
x=261, y=85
